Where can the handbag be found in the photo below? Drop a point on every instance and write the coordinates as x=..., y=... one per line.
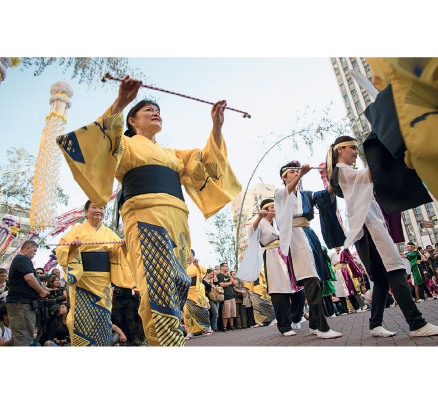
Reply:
x=216, y=294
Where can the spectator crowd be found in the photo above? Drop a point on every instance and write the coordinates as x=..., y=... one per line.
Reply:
x=231, y=303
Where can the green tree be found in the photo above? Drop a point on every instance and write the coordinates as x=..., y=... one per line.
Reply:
x=16, y=182
x=89, y=69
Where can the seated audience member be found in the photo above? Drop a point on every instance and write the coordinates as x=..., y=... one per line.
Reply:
x=3, y=285
x=431, y=286
x=338, y=306
x=363, y=295
x=118, y=336
x=59, y=334
x=5, y=329
x=34, y=342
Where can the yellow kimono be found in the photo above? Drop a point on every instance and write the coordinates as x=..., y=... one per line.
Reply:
x=196, y=314
x=263, y=309
x=414, y=82
x=155, y=224
x=89, y=319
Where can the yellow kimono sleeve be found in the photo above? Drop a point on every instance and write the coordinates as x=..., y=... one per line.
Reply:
x=93, y=154
x=72, y=267
x=208, y=179
x=415, y=91
x=121, y=274
x=249, y=285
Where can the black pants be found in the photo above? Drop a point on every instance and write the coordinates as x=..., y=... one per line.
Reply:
x=389, y=300
x=352, y=299
x=317, y=319
x=395, y=279
x=123, y=315
x=422, y=288
x=250, y=316
x=287, y=312
x=328, y=303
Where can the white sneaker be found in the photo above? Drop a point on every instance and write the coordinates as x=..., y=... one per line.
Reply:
x=379, y=331
x=392, y=305
x=333, y=316
x=303, y=320
x=426, y=330
x=289, y=333
x=345, y=313
x=331, y=334
x=273, y=323
x=296, y=326
x=420, y=300
x=430, y=299
x=313, y=331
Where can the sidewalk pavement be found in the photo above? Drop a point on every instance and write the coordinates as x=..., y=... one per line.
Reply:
x=354, y=329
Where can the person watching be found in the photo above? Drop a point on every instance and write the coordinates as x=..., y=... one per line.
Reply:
x=54, y=284
x=5, y=328
x=59, y=333
x=3, y=282
x=209, y=280
x=24, y=289
x=229, y=308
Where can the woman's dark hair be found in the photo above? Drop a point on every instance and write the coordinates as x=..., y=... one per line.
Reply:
x=335, y=153
x=193, y=252
x=52, y=278
x=209, y=271
x=265, y=202
x=427, y=275
x=4, y=271
x=130, y=132
x=87, y=205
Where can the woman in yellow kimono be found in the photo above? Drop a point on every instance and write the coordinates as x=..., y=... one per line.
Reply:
x=90, y=270
x=264, y=314
x=151, y=202
x=196, y=314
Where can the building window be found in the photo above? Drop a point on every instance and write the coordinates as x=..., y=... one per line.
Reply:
x=434, y=221
x=346, y=70
x=343, y=60
x=335, y=65
x=358, y=105
x=355, y=64
x=372, y=79
x=430, y=208
x=367, y=67
x=342, y=87
x=418, y=213
x=350, y=80
x=363, y=118
x=365, y=128
x=354, y=122
x=410, y=230
x=367, y=98
x=405, y=215
x=346, y=98
x=350, y=110
x=354, y=92
x=238, y=211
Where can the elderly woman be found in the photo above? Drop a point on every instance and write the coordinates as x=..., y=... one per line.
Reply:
x=151, y=202
x=90, y=270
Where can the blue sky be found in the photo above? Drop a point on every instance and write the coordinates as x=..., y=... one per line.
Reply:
x=272, y=90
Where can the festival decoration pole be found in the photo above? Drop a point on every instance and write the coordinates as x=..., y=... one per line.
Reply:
x=109, y=77
x=43, y=205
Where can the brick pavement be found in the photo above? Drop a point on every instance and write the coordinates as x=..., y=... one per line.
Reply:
x=354, y=329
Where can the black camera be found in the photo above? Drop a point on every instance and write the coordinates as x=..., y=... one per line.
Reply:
x=117, y=292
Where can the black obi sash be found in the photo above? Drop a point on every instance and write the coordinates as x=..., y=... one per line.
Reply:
x=96, y=261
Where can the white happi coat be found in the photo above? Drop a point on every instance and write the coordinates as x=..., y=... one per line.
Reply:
x=362, y=209
x=288, y=206
x=276, y=271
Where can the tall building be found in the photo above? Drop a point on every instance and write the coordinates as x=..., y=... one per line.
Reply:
x=251, y=205
x=356, y=100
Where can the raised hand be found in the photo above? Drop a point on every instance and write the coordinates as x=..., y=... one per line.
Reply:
x=217, y=114
x=128, y=90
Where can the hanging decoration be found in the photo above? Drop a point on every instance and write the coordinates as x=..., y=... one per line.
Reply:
x=8, y=232
x=29, y=237
x=51, y=263
x=43, y=205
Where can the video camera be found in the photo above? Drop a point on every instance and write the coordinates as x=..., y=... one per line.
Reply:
x=48, y=308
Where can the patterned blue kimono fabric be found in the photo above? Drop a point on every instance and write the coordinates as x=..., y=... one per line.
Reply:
x=308, y=203
x=331, y=230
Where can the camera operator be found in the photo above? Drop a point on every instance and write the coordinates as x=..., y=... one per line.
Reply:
x=24, y=289
x=123, y=312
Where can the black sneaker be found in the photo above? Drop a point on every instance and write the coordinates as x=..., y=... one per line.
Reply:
x=225, y=329
x=232, y=328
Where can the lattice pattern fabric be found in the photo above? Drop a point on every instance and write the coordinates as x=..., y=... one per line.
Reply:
x=167, y=282
x=263, y=309
x=200, y=314
x=92, y=323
